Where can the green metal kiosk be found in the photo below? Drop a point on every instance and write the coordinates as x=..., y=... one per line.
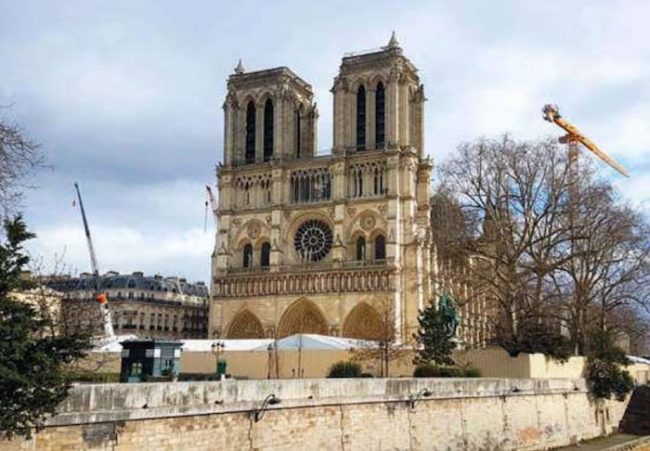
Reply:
x=146, y=359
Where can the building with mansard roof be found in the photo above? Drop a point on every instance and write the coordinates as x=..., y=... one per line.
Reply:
x=323, y=244
x=146, y=306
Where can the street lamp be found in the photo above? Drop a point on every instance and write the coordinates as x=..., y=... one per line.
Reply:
x=217, y=348
x=269, y=349
x=270, y=400
x=413, y=399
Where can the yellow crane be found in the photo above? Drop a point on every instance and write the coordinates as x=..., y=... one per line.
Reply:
x=574, y=136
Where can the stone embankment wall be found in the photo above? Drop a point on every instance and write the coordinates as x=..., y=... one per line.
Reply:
x=327, y=414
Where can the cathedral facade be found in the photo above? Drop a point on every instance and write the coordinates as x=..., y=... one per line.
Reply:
x=327, y=244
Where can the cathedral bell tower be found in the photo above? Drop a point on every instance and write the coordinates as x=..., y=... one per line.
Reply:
x=269, y=115
x=378, y=102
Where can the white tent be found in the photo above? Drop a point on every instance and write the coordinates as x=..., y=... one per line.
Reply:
x=635, y=359
x=112, y=344
x=229, y=344
x=299, y=341
x=318, y=342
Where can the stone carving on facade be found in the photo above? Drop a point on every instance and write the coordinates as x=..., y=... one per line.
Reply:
x=363, y=322
x=395, y=73
x=239, y=70
x=367, y=221
x=302, y=317
x=245, y=325
x=418, y=95
x=254, y=229
x=222, y=249
x=273, y=284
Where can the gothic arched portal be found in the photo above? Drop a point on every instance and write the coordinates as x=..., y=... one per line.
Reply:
x=363, y=322
x=302, y=317
x=245, y=325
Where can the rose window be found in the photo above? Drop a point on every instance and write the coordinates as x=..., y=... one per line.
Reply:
x=313, y=240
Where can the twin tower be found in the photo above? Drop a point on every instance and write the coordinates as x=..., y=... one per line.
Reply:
x=328, y=244
x=271, y=114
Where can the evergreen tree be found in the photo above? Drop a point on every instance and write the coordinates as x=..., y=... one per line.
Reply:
x=606, y=374
x=433, y=336
x=32, y=360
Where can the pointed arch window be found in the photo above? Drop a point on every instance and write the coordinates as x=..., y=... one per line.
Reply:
x=380, y=248
x=268, y=130
x=250, y=133
x=359, y=183
x=380, y=116
x=297, y=130
x=265, y=255
x=361, y=118
x=361, y=248
x=248, y=256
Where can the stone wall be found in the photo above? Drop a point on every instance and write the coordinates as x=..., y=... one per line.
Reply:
x=352, y=414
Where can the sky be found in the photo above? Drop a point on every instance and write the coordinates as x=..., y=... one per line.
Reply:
x=125, y=98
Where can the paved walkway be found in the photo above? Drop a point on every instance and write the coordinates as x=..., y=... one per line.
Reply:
x=618, y=442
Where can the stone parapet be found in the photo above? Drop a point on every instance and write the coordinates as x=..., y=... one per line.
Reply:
x=329, y=414
x=114, y=402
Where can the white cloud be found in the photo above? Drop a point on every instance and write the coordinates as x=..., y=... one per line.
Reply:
x=126, y=97
x=175, y=253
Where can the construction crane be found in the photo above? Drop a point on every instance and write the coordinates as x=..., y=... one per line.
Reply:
x=575, y=137
x=101, y=297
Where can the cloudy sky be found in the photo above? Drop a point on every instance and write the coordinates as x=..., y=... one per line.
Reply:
x=125, y=97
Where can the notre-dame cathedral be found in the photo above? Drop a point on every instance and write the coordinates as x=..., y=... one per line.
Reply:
x=326, y=244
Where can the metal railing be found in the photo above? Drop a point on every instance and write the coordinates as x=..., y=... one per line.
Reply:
x=364, y=52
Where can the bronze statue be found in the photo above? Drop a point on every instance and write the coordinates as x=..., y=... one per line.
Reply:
x=448, y=310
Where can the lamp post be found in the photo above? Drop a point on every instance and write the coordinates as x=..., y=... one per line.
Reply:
x=413, y=399
x=270, y=400
x=269, y=349
x=217, y=348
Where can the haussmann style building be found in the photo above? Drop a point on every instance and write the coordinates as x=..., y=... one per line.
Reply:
x=146, y=306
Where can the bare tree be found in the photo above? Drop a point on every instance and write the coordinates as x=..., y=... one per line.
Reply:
x=64, y=317
x=511, y=193
x=609, y=265
x=20, y=157
x=386, y=348
x=549, y=245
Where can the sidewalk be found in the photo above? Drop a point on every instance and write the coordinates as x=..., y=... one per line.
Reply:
x=616, y=442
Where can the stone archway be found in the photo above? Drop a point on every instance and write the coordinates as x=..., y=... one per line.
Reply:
x=245, y=325
x=302, y=317
x=363, y=322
